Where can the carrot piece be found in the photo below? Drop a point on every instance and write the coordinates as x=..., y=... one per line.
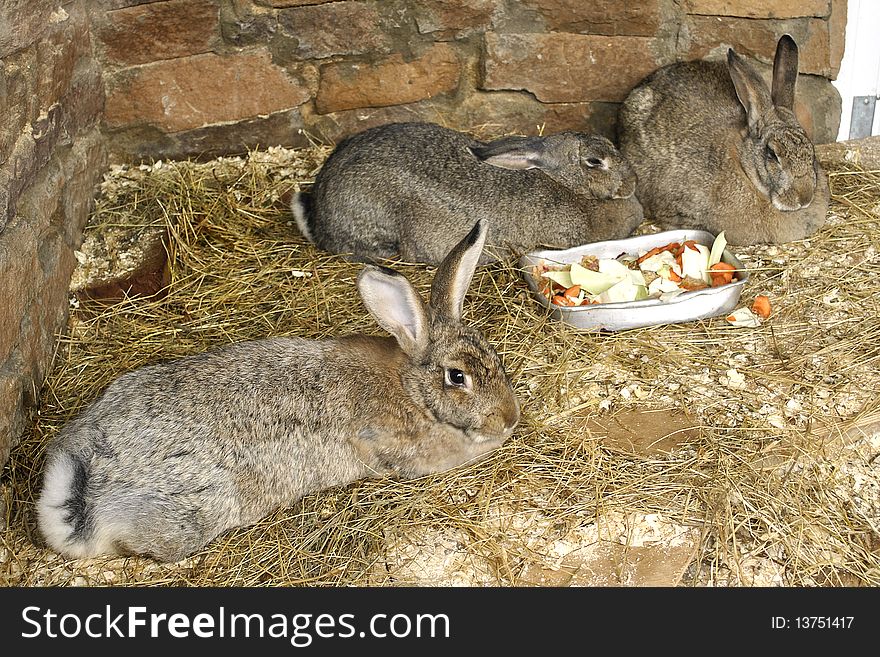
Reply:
x=721, y=273
x=761, y=306
x=572, y=292
x=675, y=278
x=691, y=244
x=652, y=252
x=723, y=266
x=561, y=300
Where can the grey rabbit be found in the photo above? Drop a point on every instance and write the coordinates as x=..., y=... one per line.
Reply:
x=413, y=189
x=171, y=455
x=715, y=149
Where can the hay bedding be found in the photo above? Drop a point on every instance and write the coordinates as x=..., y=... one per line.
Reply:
x=777, y=482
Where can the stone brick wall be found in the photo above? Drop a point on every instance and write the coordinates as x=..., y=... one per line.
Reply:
x=51, y=157
x=206, y=77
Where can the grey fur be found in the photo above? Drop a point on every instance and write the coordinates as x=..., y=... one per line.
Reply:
x=413, y=189
x=171, y=455
x=697, y=135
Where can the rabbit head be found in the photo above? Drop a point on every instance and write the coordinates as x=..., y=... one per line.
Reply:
x=450, y=369
x=776, y=153
x=589, y=165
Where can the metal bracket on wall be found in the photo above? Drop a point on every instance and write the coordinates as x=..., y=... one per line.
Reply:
x=862, y=116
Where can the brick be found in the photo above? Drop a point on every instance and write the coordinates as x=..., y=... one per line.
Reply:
x=122, y=4
x=567, y=68
x=12, y=415
x=47, y=311
x=157, y=31
x=242, y=24
x=607, y=17
x=23, y=22
x=16, y=101
x=759, y=8
x=144, y=143
x=392, y=81
x=49, y=133
x=290, y=3
x=15, y=175
x=818, y=107
x=837, y=35
x=520, y=113
x=340, y=28
x=83, y=106
x=83, y=165
x=19, y=272
x=332, y=127
x=57, y=54
x=37, y=77
x=7, y=198
x=193, y=92
x=453, y=18
x=757, y=38
x=486, y=115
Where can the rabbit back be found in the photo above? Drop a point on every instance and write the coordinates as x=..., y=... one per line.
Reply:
x=414, y=189
x=173, y=454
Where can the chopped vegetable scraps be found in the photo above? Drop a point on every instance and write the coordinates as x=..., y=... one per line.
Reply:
x=761, y=306
x=660, y=273
x=744, y=317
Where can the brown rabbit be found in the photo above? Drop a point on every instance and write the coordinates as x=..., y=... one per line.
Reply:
x=171, y=455
x=714, y=149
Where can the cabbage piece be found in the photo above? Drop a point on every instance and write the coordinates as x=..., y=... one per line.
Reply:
x=637, y=277
x=718, y=247
x=560, y=276
x=743, y=317
x=695, y=263
x=594, y=282
x=661, y=285
x=613, y=268
x=625, y=290
x=658, y=261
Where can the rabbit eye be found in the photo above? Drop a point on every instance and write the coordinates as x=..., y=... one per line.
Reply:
x=770, y=154
x=455, y=377
x=594, y=162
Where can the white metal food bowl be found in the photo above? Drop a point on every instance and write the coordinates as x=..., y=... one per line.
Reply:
x=686, y=307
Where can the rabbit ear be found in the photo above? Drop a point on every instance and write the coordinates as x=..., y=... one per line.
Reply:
x=396, y=305
x=750, y=87
x=785, y=71
x=456, y=271
x=514, y=153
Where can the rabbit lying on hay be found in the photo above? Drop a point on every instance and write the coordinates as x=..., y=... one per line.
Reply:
x=413, y=189
x=171, y=455
x=715, y=149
